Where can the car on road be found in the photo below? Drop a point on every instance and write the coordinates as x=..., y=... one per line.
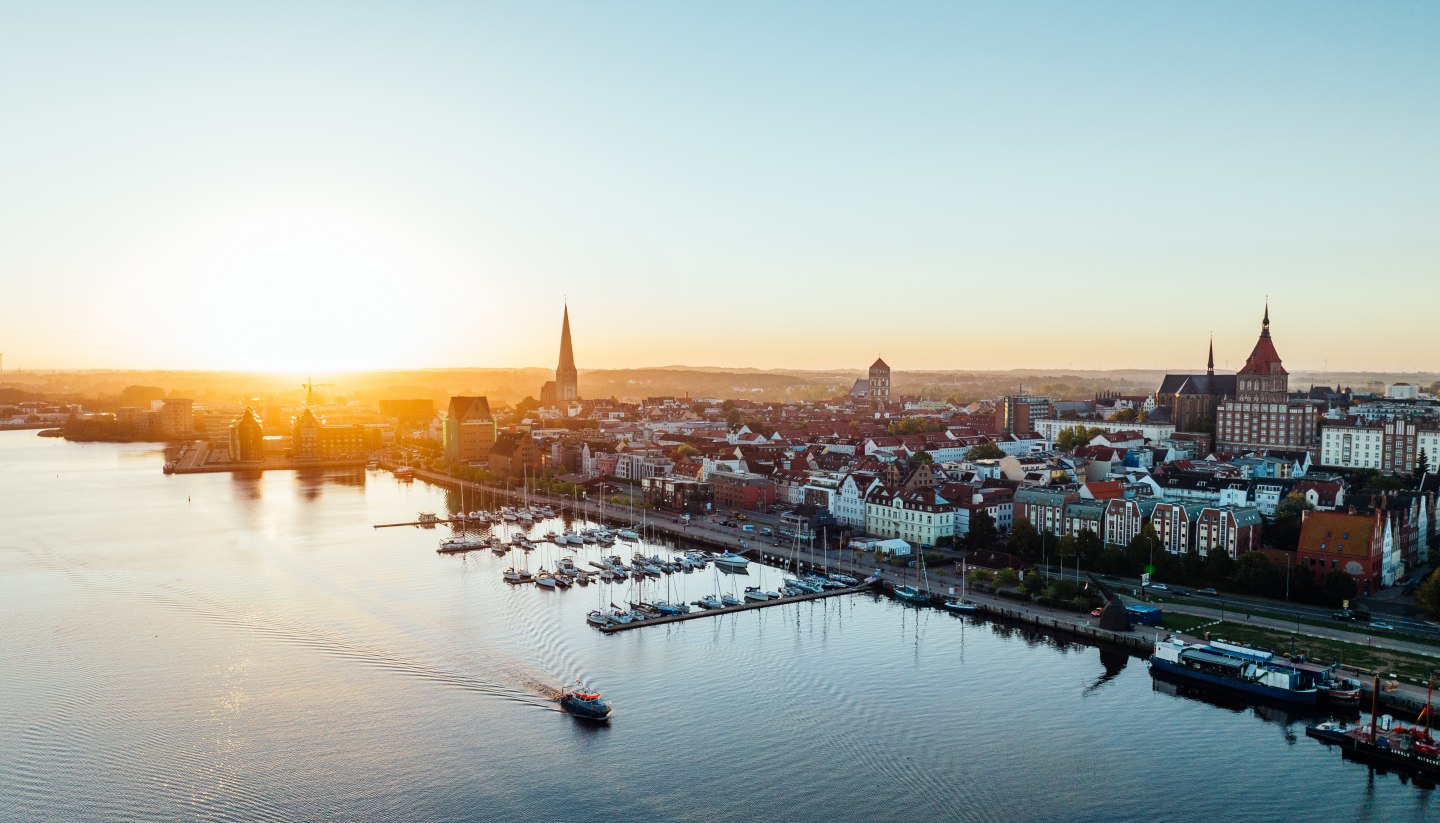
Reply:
x=1160, y=587
x=1095, y=612
x=1208, y=592
x=766, y=530
x=1180, y=592
x=1381, y=625
x=1351, y=616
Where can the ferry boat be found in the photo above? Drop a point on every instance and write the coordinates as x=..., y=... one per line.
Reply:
x=585, y=704
x=1238, y=668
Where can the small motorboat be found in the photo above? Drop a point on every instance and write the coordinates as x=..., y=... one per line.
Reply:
x=597, y=618
x=754, y=594
x=730, y=600
x=958, y=606
x=731, y=560
x=586, y=705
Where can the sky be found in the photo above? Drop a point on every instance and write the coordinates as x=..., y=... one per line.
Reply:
x=310, y=186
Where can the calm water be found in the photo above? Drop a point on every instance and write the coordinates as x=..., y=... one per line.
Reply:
x=223, y=647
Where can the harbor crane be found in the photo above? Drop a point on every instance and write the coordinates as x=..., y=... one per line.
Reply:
x=309, y=386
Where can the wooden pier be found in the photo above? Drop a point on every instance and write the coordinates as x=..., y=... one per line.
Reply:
x=743, y=607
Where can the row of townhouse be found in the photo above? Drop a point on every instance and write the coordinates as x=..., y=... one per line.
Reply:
x=1181, y=526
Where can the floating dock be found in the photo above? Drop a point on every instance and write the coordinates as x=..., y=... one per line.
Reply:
x=743, y=607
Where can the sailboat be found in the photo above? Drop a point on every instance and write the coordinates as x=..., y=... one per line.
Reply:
x=911, y=594
x=960, y=605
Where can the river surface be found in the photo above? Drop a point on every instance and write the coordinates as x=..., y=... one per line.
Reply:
x=217, y=646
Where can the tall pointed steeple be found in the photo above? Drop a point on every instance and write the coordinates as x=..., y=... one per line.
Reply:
x=1210, y=362
x=566, y=377
x=1265, y=324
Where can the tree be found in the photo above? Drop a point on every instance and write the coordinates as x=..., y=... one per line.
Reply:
x=1141, y=549
x=922, y=456
x=1427, y=595
x=1024, y=541
x=1219, y=567
x=687, y=450
x=1125, y=416
x=1006, y=578
x=1255, y=574
x=1422, y=463
x=1284, y=531
x=984, y=451
x=1337, y=588
x=982, y=534
x=915, y=425
x=732, y=416
x=1089, y=547
x=1143, y=417
x=1072, y=437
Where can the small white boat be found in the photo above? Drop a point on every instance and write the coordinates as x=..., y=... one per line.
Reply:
x=710, y=601
x=730, y=600
x=844, y=580
x=545, y=579
x=753, y=594
x=628, y=534
x=597, y=618
x=732, y=560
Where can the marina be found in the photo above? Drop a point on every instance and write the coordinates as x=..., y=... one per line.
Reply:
x=301, y=625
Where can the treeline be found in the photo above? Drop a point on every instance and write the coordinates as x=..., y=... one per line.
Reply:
x=1251, y=573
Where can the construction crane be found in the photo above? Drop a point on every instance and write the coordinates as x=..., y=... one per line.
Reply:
x=309, y=386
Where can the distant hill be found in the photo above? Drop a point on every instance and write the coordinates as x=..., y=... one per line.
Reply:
x=103, y=389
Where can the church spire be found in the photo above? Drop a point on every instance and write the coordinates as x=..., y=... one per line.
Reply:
x=566, y=377
x=1265, y=324
x=1210, y=362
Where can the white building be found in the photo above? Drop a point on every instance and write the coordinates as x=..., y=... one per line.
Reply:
x=847, y=504
x=920, y=516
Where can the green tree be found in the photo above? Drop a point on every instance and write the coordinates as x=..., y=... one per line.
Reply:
x=1302, y=584
x=1125, y=416
x=915, y=425
x=1284, y=531
x=982, y=534
x=687, y=450
x=1337, y=588
x=984, y=451
x=1141, y=548
x=1427, y=595
x=1066, y=549
x=1024, y=541
x=922, y=456
x=1422, y=463
x=1006, y=578
x=733, y=415
x=1142, y=417
x=1219, y=567
x=1255, y=574
x=1089, y=547
x=1073, y=437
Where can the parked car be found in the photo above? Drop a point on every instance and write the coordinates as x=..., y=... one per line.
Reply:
x=766, y=530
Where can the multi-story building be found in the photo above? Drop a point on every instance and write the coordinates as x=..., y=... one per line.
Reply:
x=1393, y=445
x=1018, y=413
x=920, y=516
x=1262, y=416
x=847, y=504
x=1174, y=524
x=516, y=456
x=736, y=490
x=1084, y=515
x=468, y=430
x=1125, y=517
x=311, y=438
x=247, y=438
x=677, y=494
x=1356, y=544
x=1044, y=508
x=1233, y=530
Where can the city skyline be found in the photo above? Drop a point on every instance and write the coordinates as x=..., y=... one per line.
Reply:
x=1048, y=187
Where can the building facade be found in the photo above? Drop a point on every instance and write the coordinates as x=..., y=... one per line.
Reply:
x=468, y=433
x=1262, y=416
x=1393, y=446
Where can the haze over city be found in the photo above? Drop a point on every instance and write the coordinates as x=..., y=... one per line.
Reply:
x=959, y=186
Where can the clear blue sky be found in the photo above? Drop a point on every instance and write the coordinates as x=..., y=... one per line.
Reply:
x=314, y=185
